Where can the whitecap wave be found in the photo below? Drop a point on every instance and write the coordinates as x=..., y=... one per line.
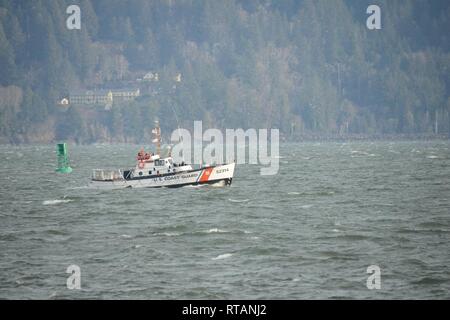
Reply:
x=168, y=234
x=222, y=256
x=218, y=184
x=195, y=186
x=57, y=201
x=359, y=153
x=215, y=230
x=53, y=295
x=239, y=201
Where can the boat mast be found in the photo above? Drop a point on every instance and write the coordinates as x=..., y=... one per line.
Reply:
x=157, y=137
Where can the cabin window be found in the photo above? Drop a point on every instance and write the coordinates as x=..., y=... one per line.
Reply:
x=140, y=173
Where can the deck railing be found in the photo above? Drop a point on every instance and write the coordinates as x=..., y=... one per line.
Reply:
x=107, y=175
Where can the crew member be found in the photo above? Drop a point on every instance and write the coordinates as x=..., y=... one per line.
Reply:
x=140, y=155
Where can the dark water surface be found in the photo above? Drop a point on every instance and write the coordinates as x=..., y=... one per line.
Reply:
x=309, y=232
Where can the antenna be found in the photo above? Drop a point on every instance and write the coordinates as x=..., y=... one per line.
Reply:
x=176, y=118
x=157, y=137
x=178, y=128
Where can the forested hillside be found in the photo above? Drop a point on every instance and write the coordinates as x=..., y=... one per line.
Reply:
x=307, y=67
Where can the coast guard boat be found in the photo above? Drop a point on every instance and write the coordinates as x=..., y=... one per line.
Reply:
x=152, y=171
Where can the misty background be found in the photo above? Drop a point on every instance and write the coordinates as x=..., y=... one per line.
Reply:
x=310, y=68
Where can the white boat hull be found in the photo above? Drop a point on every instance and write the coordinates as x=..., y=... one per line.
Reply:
x=207, y=175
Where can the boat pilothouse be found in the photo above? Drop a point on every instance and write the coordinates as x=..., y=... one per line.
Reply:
x=153, y=171
x=151, y=165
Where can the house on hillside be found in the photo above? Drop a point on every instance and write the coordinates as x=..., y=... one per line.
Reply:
x=102, y=97
x=150, y=76
x=64, y=102
x=120, y=95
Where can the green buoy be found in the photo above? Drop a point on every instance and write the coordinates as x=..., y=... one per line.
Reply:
x=63, y=160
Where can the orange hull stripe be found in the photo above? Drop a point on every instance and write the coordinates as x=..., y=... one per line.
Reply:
x=205, y=175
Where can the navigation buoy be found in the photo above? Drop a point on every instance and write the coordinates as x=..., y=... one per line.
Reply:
x=63, y=160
